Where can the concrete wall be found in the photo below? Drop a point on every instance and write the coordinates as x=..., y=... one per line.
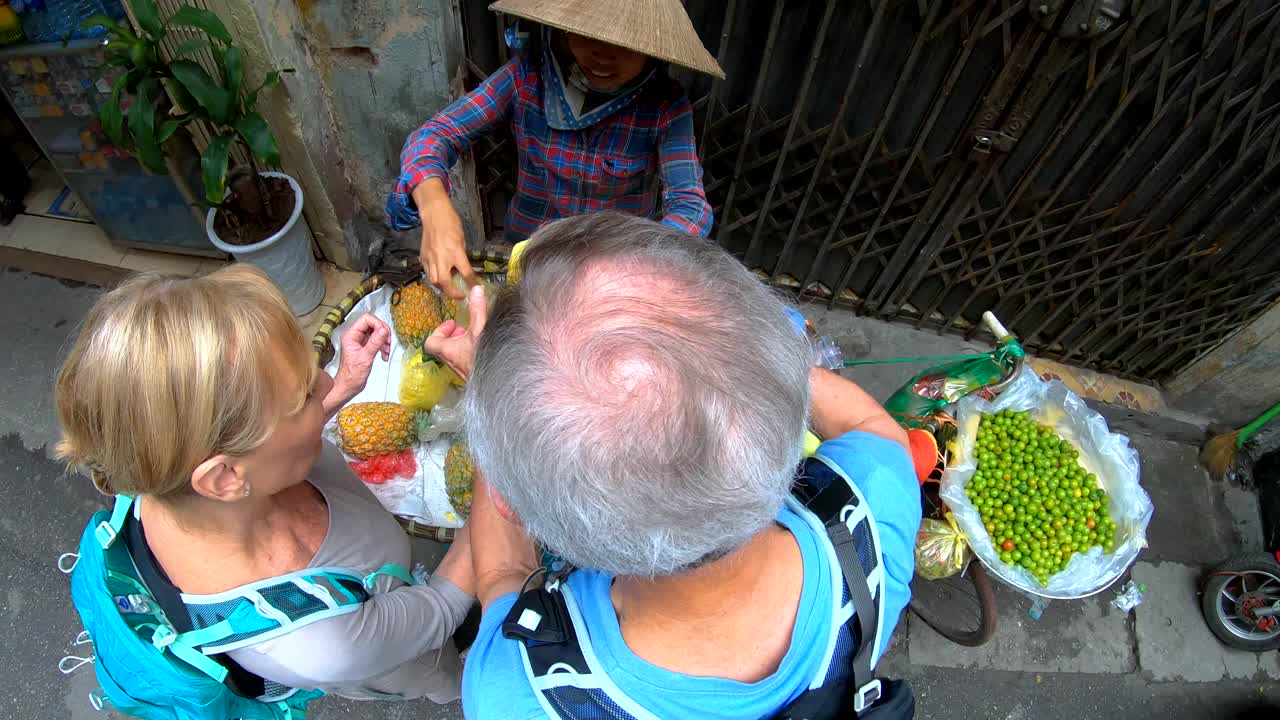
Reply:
x=1236, y=381
x=367, y=73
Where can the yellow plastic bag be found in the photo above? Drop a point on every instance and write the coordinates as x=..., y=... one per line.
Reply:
x=942, y=549
x=424, y=381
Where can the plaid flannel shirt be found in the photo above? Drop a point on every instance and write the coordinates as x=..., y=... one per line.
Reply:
x=629, y=161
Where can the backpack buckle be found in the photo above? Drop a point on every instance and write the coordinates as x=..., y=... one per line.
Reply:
x=163, y=637
x=866, y=696
x=104, y=534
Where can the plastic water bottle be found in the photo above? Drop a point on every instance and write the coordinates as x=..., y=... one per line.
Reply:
x=827, y=354
x=136, y=604
x=1038, y=606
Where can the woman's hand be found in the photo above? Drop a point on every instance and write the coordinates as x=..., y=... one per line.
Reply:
x=444, y=246
x=455, y=344
x=364, y=341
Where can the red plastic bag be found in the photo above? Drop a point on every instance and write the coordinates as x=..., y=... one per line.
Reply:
x=379, y=469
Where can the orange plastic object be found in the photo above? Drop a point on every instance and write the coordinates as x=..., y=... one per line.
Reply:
x=924, y=452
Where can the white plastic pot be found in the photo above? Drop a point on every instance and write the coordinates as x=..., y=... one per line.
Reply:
x=285, y=257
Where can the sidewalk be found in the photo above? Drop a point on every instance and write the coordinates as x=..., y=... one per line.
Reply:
x=1082, y=659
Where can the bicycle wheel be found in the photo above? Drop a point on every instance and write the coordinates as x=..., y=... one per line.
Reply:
x=960, y=608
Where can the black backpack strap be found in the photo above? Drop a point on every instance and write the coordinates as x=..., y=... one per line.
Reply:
x=555, y=647
x=829, y=494
x=169, y=598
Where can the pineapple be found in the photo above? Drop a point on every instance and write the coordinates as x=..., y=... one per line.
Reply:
x=368, y=429
x=513, y=263
x=415, y=312
x=424, y=380
x=459, y=475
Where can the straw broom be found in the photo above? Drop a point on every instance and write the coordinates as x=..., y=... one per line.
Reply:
x=1220, y=452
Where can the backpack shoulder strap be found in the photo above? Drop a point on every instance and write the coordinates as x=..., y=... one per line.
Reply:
x=558, y=660
x=826, y=491
x=260, y=611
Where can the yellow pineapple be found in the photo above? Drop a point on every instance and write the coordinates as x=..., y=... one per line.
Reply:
x=513, y=263
x=415, y=312
x=459, y=477
x=368, y=429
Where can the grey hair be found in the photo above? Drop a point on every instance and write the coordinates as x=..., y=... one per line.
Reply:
x=640, y=398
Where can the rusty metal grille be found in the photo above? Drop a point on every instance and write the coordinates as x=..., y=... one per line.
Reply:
x=1102, y=174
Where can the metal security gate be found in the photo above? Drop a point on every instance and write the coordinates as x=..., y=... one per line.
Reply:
x=1101, y=173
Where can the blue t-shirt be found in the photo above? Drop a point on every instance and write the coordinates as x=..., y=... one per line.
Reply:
x=494, y=684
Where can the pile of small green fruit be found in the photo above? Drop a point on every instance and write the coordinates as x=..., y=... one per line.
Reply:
x=1039, y=505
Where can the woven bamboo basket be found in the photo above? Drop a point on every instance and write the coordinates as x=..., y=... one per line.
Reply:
x=490, y=266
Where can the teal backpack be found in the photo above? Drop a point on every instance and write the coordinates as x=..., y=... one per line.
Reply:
x=149, y=669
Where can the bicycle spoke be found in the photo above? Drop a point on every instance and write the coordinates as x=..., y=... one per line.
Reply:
x=964, y=587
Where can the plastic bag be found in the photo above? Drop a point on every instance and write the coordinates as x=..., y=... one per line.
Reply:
x=941, y=548
x=1102, y=452
x=424, y=381
x=940, y=385
x=443, y=420
x=1128, y=597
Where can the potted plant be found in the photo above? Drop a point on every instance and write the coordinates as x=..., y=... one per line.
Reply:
x=252, y=213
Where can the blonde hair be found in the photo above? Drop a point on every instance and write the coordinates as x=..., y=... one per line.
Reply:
x=168, y=372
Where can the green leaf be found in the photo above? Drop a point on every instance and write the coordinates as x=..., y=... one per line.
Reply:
x=233, y=70
x=272, y=78
x=111, y=116
x=213, y=166
x=133, y=77
x=215, y=99
x=169, y=127
x=181, y=98
x=188, y=16
x=190, y=47
x=118, y=55
x=142, y=115
x=142, y=125
x=141, y=54
x=148, y=17
x=257, y=135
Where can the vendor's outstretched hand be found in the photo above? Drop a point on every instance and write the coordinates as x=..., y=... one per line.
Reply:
x=455, y=344
x=366, y=339
x=444, y=246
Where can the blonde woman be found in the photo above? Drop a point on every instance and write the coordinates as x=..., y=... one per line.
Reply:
x=199, y=397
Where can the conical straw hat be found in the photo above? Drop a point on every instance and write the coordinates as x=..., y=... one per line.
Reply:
x=657, y=28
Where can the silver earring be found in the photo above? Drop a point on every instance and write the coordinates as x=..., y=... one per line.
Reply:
x=245, y=492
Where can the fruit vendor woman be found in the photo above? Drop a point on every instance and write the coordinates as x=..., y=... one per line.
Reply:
x=598, y=122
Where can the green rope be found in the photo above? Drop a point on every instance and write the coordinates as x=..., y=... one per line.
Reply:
x=931, y=358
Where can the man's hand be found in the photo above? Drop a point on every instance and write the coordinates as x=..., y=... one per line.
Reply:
x=367, y=338
x=455, y=344
x=444, y=246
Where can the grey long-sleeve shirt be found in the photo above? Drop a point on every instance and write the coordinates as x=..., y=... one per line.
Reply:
x=398, y=643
